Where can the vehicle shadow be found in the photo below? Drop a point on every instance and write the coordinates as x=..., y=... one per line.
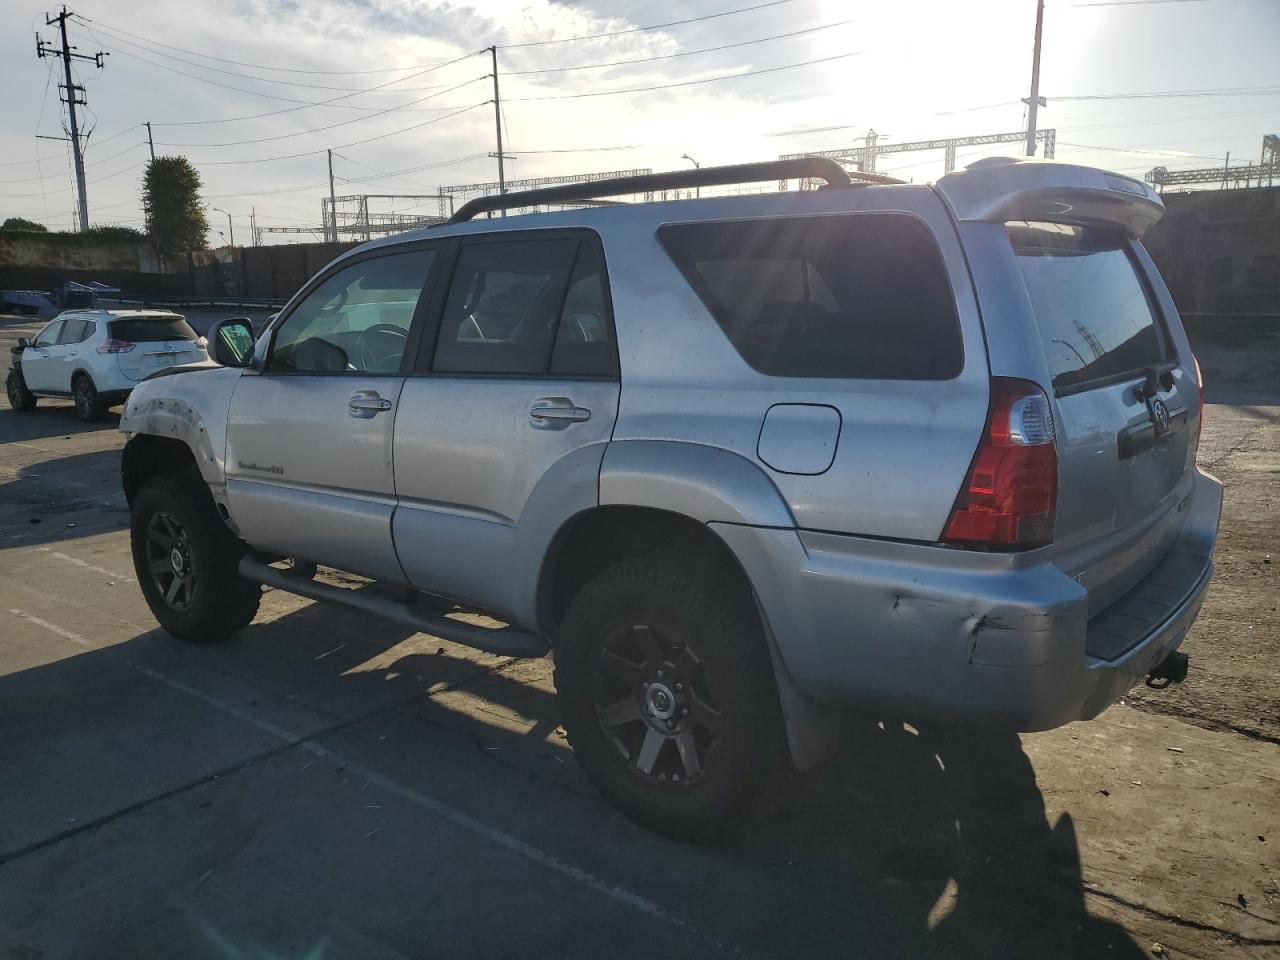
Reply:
x=64, y=498
x=914, y=842
x=51, y=418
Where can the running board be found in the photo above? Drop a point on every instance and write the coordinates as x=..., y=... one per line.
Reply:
x=504, y=641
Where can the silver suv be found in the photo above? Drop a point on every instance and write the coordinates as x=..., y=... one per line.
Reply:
x=739, y=461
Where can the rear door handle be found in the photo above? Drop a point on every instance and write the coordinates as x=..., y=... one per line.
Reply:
x=366, y=403
x=557, y=411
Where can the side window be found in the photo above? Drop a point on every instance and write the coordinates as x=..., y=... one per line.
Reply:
x=49, y=335
x=504, y=305
x=853, y=296
x=584, y=342
x=74, y=331
x=355, y=321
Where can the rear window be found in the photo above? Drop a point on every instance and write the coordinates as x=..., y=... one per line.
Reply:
x=861, y=296
x=151, y=329
x=1093, y=312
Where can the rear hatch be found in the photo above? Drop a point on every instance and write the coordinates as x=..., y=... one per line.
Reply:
x=145, y=344
x=1127, y=404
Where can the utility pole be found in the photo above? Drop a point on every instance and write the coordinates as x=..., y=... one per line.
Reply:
x=497, y=122
x=1034, y=102
x=331, y=228
x=43, y=50
x=253, y=224
x=150, y=143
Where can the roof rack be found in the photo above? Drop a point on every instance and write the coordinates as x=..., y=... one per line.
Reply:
x=817, y=168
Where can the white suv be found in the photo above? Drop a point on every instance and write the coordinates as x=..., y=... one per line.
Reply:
x=95, y=357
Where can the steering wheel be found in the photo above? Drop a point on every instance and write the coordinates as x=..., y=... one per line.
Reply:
x=337, y=303
x=381, y=346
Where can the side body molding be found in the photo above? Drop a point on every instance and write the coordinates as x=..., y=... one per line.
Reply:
x=707, y=484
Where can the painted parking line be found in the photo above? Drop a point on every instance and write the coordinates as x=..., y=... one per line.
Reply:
x=435, y=807
x=51, y=627
x=85, y=565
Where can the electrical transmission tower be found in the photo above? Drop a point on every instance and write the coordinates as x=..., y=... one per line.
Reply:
x=74, y=97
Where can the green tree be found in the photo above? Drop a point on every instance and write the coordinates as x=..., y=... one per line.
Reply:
x=171, y=203
x=20, y=223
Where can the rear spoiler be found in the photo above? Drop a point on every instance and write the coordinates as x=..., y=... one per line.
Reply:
x=1000, y=189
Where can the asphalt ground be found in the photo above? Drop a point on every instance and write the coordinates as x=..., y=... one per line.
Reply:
x=327, y=785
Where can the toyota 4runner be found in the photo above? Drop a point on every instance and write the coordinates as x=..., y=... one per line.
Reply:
x=738, y=462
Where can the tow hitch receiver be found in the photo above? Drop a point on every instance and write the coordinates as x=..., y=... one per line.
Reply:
x=1172, y=669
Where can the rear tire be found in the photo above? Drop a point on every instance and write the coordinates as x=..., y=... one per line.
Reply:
x=89, y=406
x=20, y=398
x=187, y=560
x=667, y=694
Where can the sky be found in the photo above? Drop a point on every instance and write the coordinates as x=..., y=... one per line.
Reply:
x=254, y=92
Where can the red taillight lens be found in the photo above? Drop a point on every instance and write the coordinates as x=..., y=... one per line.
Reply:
x=1011, y=494
x=116, y=346
x=1200, y=387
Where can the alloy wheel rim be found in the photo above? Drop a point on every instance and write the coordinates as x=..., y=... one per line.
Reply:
x=15, y=395
x=654, y=703
x=82, y=397
x=169, y=561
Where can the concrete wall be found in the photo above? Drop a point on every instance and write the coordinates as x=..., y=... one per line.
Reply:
x=60, y=252
x=1219, y=250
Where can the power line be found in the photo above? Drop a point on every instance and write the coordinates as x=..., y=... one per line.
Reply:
x=332, y=126
x=381, y=136
x=241, y=63
x=655, y=26
x=686, y=83
x=246, y=76
x=104, y=160
x=683, y=53
x=334, y=101
x=259, y=93
x=1172, y=94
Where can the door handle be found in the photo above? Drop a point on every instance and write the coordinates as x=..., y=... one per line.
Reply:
x=367, y=403
x=557, y=411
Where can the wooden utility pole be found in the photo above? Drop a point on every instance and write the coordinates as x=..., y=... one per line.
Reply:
x=73, y=90
x=1033, y=102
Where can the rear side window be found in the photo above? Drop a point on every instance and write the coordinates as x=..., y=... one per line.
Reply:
x=862, y=296
x=527, y=307
x=151, y=329
x=1093, y=312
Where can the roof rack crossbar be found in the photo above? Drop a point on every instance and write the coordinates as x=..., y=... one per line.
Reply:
x=816, y=168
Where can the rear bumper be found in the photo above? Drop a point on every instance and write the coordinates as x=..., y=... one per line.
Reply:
x=955, y=635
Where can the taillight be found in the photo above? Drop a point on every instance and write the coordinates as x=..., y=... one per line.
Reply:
x=1011, y=493
x=116, y=346
x=1200, y=387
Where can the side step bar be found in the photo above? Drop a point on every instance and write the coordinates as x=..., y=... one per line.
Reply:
x=504, y=641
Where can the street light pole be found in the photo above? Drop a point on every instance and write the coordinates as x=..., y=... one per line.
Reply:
x=697, y=166
x=231, y=227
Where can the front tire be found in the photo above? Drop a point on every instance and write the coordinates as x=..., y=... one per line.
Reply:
x=667, y=694
x=89, y=406
x=20, y=398
x=187, y=560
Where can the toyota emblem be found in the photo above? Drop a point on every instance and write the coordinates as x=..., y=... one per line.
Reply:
x=1159, y=416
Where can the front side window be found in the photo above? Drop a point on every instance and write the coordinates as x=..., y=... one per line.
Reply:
x=861, y=296
x=1094, y=316
x=356, y=320
x=75, y=330
x=49, y=335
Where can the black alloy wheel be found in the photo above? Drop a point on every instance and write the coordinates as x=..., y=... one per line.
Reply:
x=654, y=704
x=169, y=562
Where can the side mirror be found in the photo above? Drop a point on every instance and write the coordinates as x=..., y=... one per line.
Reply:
x=231, y=342
x=24, y=342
